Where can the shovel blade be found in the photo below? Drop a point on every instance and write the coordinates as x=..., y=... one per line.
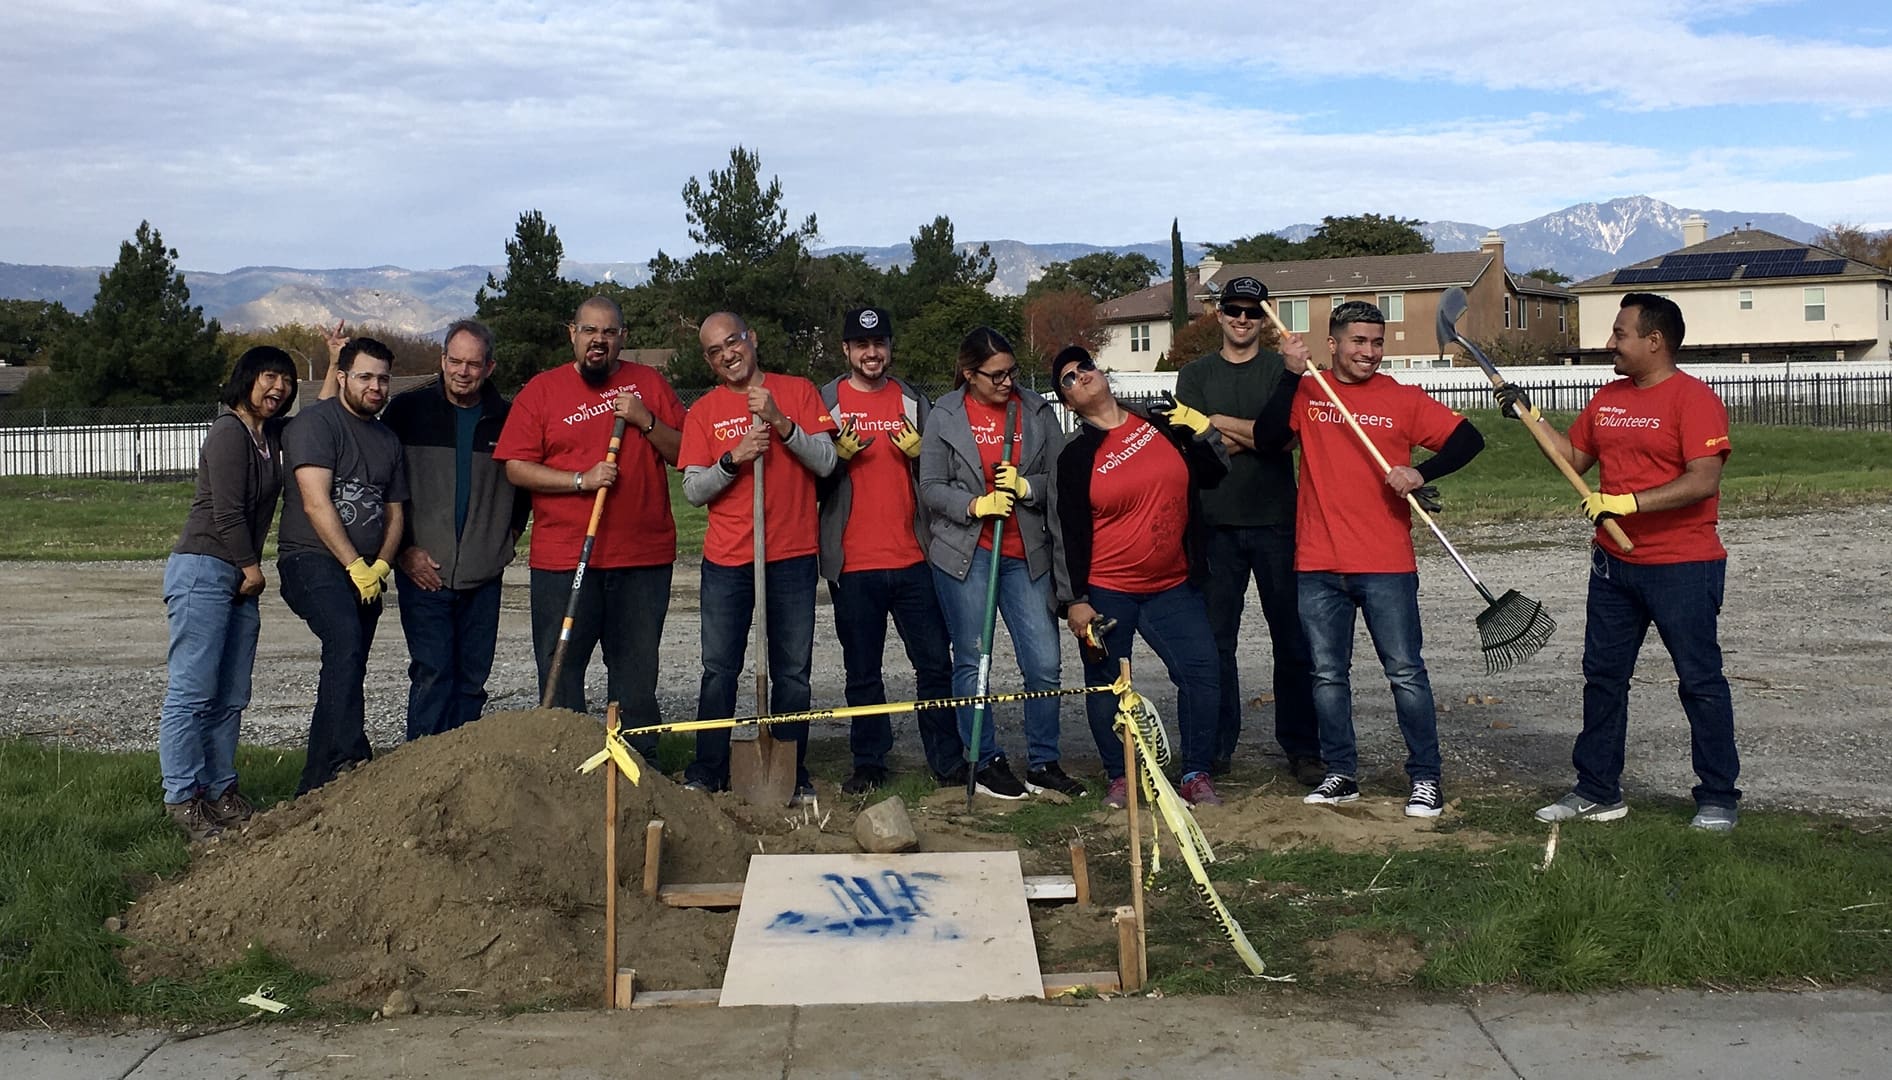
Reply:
x=762, y=770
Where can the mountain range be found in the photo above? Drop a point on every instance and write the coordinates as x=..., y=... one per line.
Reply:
x=1581, y=241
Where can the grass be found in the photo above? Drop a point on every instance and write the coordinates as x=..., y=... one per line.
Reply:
x=1773, y=470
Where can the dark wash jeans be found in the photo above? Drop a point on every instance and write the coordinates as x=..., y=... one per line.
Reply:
x=863, y=601
x=319, y=591
x=1174, y=623
x=1390, y=605
x=1683, y=600
x=1265, y=553
x=451, y=635
x=727, y=602
x=623, y=609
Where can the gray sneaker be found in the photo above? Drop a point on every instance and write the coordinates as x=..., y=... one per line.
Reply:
x=1715, y=818
x=1574, y=807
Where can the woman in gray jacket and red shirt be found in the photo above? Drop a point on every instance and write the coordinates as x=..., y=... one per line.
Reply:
x=211, y=584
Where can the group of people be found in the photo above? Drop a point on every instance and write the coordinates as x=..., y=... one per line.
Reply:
x=1146, y=520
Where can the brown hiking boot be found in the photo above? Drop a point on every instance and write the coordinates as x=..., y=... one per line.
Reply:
x=230, y=809
x=194, y=818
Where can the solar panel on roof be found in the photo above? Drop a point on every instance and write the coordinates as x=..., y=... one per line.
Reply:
x=1824, y=266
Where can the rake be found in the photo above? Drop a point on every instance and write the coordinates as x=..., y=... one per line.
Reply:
x=1513, y=626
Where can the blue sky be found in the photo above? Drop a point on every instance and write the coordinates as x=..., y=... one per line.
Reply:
x=361, y=132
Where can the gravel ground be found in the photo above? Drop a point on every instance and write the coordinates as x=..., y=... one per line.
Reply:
x=1807, y=634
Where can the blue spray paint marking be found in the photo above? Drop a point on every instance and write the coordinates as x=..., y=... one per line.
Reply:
x=893, y=905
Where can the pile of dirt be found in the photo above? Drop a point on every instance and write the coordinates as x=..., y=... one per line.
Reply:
x=466, y=867
x=1284, y=823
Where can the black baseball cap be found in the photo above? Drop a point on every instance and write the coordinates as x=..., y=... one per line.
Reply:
x=1070, y=354
x=1244, y=288
x=868, y=322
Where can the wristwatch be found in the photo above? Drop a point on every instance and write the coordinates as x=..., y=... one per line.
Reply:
x=727, y=463
x=578, y=481
x=648, y=428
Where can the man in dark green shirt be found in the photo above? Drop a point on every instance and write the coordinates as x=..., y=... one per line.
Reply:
x=1251, y=518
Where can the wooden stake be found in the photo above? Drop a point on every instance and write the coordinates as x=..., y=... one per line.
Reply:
x=1131, y=773
x=653, y=856
x=1129, y=950
x=1080, y=872
x=611, y=873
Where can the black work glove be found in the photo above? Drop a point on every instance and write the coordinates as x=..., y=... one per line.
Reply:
x=1427, y=496
x=1516, y=403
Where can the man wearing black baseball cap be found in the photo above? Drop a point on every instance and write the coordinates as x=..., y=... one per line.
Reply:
x=872, y=554
x=1251, y=518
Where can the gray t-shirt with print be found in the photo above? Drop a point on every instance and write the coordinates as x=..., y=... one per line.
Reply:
x=369, y=469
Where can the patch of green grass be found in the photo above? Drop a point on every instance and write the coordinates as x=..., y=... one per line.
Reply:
x=81, y=834
x=1041, y=821
x=1642, y=902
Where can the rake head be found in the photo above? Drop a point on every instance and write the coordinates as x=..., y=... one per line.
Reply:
x=1511, y=631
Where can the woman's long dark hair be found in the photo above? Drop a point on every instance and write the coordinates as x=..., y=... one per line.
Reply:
x=979, y=346
x=253, y=363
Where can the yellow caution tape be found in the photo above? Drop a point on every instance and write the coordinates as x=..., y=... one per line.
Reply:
x=848, y=712
x=1135, y=718
x=616, y=750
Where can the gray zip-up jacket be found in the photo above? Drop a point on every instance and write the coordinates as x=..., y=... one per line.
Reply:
x=952, y=474
x=836, y=490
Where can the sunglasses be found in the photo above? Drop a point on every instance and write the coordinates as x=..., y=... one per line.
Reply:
x=1069, y=378
x=1241, y=311
x=997, y=377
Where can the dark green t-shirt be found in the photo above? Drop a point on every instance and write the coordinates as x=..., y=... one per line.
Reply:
x=1259, y=488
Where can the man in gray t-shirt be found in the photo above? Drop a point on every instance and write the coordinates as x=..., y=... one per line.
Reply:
x=341, y=524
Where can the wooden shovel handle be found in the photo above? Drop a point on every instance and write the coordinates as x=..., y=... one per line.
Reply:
x=1544, y=443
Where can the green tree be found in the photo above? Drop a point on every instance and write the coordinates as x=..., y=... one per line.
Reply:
x=530, y=309
x=29, y=329
x=1366, y=234
x=938, y=265
x=929, y=343
x=1261, y=247
x=1545, y=273
x=1101, y=275
x=1178, y=280
x=142, y=342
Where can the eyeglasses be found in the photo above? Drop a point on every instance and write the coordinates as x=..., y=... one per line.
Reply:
x=1241, y=311
x=714, y=353
x=996, y=377
x=609, y=333
x=364, y=377
x=1069, y=378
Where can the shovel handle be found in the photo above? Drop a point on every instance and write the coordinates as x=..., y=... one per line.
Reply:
x=1550, y=450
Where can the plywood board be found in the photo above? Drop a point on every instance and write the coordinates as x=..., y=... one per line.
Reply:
x=928, y=926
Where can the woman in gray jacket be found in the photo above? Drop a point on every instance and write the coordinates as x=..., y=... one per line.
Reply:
x=965, y=487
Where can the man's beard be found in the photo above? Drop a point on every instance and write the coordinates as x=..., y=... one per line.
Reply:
x=596, y=377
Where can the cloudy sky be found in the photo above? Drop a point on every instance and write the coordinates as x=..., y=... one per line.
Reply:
x=358, y=132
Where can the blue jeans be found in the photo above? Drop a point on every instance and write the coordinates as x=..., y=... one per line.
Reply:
x=318, y=589
x=1390, y=604
x=621, y=609
x=1026, y=606
x=451, y=635
x=727, y=602
x=1265, y=553
x=863, y=600
x=1683, y=600
x=213, y=649
x=1176, y=625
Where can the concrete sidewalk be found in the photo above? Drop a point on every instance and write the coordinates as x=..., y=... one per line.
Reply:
x=1621, y=1036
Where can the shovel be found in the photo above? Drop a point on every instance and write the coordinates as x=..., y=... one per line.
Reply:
x=761, y=767
x=1451, y=306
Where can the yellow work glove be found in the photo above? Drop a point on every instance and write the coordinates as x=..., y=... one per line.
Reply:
x=1597, y=506
x=848, y=442
x=367, y=580
x=1180, y=415
x=994, y=504
x=907, y=439
x=382, y=571
x=1005, y=477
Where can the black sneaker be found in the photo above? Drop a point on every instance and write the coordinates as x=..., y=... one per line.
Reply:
x=1049, y=775
x=1425, y=800
x=1333, y=791
x=996, y=780
x=805, y=794
x=866, y=778
x=955, y=778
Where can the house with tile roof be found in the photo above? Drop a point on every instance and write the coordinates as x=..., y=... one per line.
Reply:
x=1406, y=287
x=1751, y=296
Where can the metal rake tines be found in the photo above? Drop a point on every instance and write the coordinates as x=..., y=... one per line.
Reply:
x=1511, y=631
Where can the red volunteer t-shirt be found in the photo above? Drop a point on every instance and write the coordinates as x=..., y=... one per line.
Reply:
x=714, y=424
x=1643, y=439
x=1139, y=508
x=561, y=421
x=988, y=430
x=1349, y=521
x=879, y=531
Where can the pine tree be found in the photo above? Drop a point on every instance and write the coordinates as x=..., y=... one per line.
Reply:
x=529, y=310
x=142, y=342
x=1178, y=287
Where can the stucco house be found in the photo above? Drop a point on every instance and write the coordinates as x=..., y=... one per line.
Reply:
x=1751, y=296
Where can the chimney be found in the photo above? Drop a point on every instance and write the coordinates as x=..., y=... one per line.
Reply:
x=1207, y=269
x=1492, y=244
x=1694, y=230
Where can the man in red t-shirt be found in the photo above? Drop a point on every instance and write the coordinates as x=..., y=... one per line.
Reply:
x=554, y=445
x=1660, y=437
x=1353, y=540
x=871, y=524
x=753, y=419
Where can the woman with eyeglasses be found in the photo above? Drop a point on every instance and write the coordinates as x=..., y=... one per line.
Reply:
x=211, y=584
x=1132, y=553
x=966, y=487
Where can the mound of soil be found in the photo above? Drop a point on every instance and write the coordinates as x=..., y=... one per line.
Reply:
x=1278, y=823
x=466, y=867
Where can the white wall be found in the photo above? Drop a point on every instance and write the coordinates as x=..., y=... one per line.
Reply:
x=1116, y=354
x=1855, y=310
